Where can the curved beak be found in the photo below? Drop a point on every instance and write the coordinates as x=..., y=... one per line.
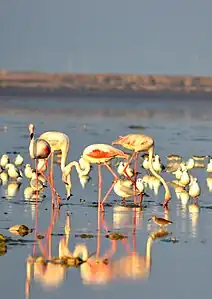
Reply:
x=149, y=219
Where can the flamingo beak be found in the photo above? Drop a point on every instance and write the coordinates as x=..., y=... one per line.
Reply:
x=149, y=219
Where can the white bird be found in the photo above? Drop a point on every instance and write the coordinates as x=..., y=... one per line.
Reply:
x=19, y=160
x=4, y=160
x=129, y=170
x=13, y=171
x=194, y=188
x=36, y=183
x=146, y=163
x=4, y=178
x=190, y=163
x=209, y=166
x=178, y=173
x=157, y=165
x=28, y=171
x=185, y=178
x=209, y=183
x=123, y=188
x=12, y=189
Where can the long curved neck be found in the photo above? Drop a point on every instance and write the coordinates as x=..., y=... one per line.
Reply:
x=64, y=156
x=151, y=152
x=81, y=171
x=81, y=251
x=31, y=145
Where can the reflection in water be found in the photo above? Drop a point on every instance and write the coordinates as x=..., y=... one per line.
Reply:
x=194, y=217
x=125, y=258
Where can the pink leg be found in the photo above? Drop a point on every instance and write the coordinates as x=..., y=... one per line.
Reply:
x=135, y=170
x=100, y=185
x=111, y=188
x=125, y=172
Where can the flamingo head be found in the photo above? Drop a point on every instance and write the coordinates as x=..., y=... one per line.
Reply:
x=31, y=128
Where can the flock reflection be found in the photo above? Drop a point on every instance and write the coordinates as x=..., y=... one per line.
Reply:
x=95, y=268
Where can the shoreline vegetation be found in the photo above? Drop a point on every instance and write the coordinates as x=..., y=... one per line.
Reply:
x=44, y=84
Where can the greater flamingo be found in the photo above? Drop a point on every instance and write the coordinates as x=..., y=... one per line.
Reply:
x=40, y=149
x=139, y=143
x=99, y=154
x=58, y=142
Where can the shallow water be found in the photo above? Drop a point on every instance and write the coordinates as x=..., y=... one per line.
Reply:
x=178, y=269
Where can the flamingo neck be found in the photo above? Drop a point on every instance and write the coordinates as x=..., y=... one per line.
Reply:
x=82, y=168
x=151, y=153
x=31, y=145
x=64, y=157
x=81, y=251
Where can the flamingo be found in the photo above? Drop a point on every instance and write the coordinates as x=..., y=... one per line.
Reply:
x=40, y=149
x=58, y=142
x=98, y=154
x=139, y=143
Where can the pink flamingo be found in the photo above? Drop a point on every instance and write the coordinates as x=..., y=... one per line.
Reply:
x=40, y=149
x=99, y=154
x=140, y=143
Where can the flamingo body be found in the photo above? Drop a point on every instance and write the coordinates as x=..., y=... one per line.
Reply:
x=99, y=153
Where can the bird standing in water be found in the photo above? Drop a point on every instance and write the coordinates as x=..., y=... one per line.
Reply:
x=160, y=221
x=100, y=154
x=140, y=143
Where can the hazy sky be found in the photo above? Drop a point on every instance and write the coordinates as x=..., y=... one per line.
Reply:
x=119, y=36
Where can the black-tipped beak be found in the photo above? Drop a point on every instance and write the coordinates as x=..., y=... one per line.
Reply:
x=31, y=135
x=149, y=219
x=138, y=173
x=68, y=197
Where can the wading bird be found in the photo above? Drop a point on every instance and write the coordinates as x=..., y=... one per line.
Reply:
x=140, y=143
x=98, y=154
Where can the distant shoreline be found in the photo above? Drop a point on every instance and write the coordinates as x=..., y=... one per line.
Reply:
x=67, y=85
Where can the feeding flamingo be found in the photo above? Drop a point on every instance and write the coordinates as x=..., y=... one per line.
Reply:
x=99, y=154
x=140, y=143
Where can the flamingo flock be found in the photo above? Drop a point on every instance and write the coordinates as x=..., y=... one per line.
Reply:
x=136, y=170
x=127, y=181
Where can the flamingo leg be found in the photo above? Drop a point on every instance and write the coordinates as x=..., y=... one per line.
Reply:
x=98, y=234
x=135, y=178
x=36, y=208
x=107, y=194
x=111, y=188
x=100, y=185
x=49, y=182
x=125, y=172
x=141, y=198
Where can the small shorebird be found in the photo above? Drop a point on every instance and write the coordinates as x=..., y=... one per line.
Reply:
x=209, y=166
x=199, y=158
x=122, y=165
x=160, y=221
x=190, y=164
x=125, y=188
x=157, y=165
x=174, y=157
x=19, y=160
x=194, y=188
x=13, y=171
x=4, y=160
